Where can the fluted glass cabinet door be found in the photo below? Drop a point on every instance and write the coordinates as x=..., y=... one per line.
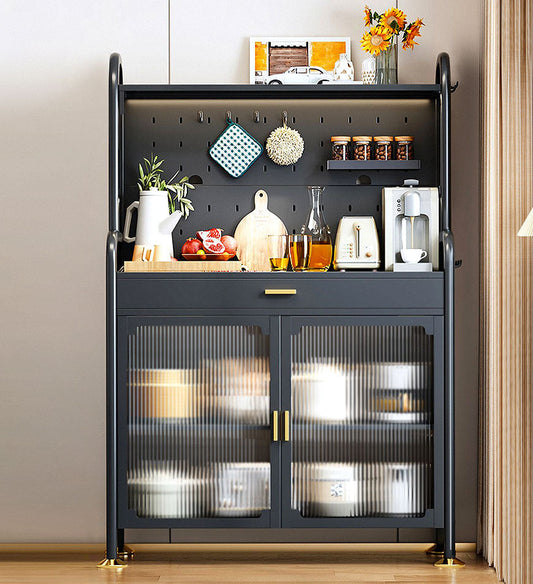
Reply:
x=197, y=417
x=361, y=415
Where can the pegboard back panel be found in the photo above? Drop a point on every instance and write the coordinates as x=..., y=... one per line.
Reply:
x=172, y=130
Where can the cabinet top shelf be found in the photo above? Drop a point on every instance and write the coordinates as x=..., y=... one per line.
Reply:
x=206, y=91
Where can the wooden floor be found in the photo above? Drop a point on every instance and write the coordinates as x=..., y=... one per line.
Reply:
x=254, y=563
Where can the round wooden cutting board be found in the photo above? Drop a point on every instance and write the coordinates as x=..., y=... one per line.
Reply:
x=252, y=232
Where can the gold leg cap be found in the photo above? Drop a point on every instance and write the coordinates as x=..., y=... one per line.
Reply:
x=435, y=550
x=113, y=564
x=449, y=563
x=127, y=553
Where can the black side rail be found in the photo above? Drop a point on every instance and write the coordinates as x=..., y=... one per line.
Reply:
x=115, y=79
x=448, y=248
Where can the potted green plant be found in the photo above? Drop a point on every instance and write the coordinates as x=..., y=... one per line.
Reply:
x=150, y=177
x=160, y=206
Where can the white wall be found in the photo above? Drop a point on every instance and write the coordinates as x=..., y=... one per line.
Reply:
x=53, y=159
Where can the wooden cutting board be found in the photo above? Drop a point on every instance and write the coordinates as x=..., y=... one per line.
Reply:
x=183, y=266
x=252, y=232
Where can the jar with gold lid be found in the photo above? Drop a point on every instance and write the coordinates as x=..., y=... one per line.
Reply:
x=404, y=147
x=361, y=147
x=383, y=147
x=340, y=147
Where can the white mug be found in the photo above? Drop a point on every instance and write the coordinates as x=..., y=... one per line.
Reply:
x=412, y=255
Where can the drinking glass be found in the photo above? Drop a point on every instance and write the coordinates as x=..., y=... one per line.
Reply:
x=278, y=252
x=299, y=251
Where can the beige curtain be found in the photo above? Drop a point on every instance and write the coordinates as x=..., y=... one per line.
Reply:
x=506, y=485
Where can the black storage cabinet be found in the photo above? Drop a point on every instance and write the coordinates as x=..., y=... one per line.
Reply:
x=179, y=122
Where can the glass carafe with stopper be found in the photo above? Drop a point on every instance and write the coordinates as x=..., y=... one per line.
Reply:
x=317, y=228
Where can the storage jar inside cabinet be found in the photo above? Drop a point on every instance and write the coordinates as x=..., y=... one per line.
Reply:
x=198, y=419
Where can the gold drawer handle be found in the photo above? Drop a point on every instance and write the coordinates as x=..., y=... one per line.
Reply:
x=288, y=291
x=286, y=422
x=275, y=426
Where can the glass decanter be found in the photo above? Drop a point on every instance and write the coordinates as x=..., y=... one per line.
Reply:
x=317, y=228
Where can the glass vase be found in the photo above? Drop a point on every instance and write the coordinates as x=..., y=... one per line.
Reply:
x=316, y=226
x=387, y=64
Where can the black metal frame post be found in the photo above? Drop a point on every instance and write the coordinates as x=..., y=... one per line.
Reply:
x=443, y=77
x=112, y=533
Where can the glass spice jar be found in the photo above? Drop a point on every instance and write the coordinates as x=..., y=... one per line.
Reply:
x=383, y=147
x=339, y=147
x=404, y=148
x=361, y=147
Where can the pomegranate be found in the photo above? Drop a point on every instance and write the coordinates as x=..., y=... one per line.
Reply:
x=192, y=245
x=230, y=243
x=213, y=245
x=215, y=233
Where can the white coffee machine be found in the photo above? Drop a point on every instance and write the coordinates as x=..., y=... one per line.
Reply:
x=411, y=227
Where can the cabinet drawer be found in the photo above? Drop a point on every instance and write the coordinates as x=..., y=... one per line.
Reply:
x=283, y=293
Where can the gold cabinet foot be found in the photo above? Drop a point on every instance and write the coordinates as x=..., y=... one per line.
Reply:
x=449, y=563
x=113, y=564
x=126, y=554
x=435, y=550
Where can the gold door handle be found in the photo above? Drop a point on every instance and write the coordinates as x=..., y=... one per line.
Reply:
x=275, y=426
x=286, y=424
x=285, y=291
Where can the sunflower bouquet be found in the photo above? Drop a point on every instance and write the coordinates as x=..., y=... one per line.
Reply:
x=386, y=28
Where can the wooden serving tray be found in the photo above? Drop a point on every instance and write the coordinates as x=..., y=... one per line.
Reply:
x=183, y=266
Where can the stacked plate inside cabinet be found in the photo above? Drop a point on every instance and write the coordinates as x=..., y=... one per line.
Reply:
x=163, y=393
x=237, y=390
x=399, y=391
x=319, y=393
x=166, y=493
x=243, y=489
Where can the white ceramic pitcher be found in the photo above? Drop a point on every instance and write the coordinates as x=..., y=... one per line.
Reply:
x=154, y=223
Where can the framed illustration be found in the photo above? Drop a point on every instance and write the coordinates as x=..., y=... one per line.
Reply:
x=295, y=60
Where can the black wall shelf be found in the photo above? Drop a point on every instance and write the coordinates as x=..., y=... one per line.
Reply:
x=373, y=164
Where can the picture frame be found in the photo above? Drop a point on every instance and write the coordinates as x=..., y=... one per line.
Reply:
x=295, y=60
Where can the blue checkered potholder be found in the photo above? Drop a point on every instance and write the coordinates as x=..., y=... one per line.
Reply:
x=235, y=150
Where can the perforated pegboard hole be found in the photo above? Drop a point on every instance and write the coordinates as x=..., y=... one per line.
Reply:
x=208, y=119
x=153, y=144
x=208, y=168
x=236, y=208
x=405, y=120
x=264, y=167
x=181, y=144
x=294, y=231
x=363, y=179
x=153, y=120
x=377, y=120
x=181, y=167
x=209, y=144
x=293, y=120
x=294, y=208
x=181, y=120
x=209, y=208
x=349, y=119
x=321, y=168
x=264, y=120
x=321, y=119
x=237, y=119
x=377, y=208
x=293, y=168
x=181, y=231
x=349, y=208
x=321, y=143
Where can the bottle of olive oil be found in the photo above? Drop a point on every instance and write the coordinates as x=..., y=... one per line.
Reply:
x=321, y=247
